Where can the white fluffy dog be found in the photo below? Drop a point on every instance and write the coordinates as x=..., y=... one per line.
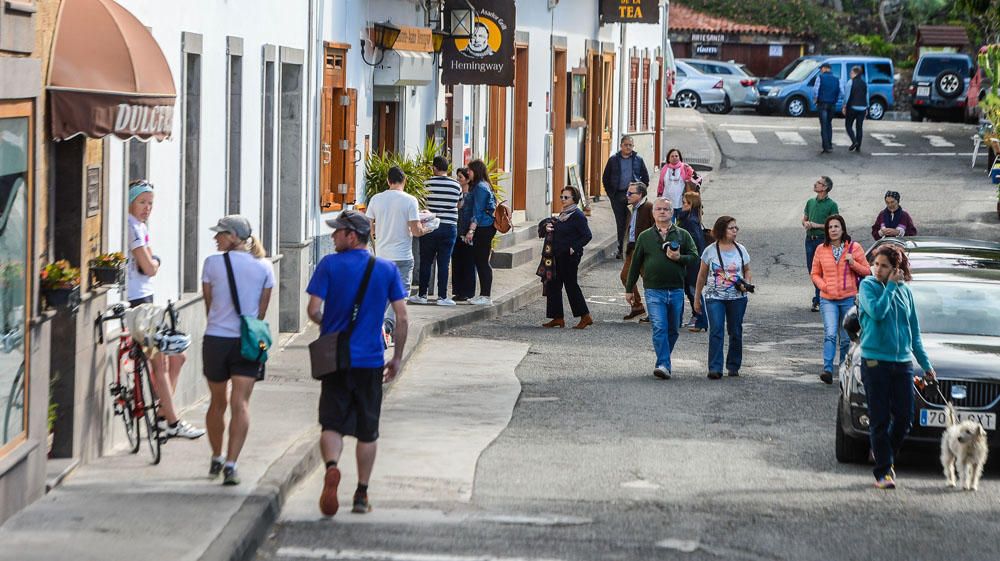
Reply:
x=963, y=448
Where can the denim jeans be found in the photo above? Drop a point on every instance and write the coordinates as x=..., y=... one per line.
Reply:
x=700, y=320
x=826, y=124
x=665, y=307
x=728, y=313
x=833, y=312
x=857, y=119
x=811, y=246
x=436, y=247
x=406, y=275
x=889, y=390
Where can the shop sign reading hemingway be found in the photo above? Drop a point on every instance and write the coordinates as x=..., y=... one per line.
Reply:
x=630, y=11
x=481, y=48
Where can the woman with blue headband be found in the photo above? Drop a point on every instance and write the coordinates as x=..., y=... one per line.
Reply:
x=142, y=267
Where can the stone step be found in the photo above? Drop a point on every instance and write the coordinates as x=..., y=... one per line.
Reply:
x=516, y=255
x=520, y=233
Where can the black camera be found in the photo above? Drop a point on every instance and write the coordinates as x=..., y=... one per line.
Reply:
x=672, y=244
x=744, y=286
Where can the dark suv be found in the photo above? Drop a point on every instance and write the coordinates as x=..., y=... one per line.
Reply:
x=940, y=86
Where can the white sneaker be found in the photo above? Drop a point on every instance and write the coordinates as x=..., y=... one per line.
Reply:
x=446, y=302
x=415, y=299
x=481, y=301
x=182, y=430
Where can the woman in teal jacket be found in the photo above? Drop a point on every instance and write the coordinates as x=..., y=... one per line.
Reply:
x=890, y=340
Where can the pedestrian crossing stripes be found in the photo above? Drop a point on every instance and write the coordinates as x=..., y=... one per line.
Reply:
x=790, y=137
x=874, y=140
x=742, y=136
x=888, y=140
x=938, y=141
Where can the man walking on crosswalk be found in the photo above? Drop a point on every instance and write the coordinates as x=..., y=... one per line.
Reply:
x=826, y=92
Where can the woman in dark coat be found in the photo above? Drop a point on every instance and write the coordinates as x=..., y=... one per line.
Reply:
x=689, y=218
x=893, y=221
x=565, y=237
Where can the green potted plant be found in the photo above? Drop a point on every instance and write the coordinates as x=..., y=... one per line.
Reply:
x=989, y=61
x=60, y=283
x=107, y=268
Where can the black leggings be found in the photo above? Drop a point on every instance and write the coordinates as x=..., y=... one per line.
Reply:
x=482, y=246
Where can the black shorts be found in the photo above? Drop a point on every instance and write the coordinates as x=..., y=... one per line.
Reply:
x=221, y=359
x=351, y=403
x=143, y=300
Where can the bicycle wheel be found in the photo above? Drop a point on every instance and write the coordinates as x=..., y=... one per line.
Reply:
x=150, y=407
x=15, y=402
x=123, y=393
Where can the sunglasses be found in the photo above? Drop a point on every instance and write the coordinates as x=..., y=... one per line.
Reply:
x=565, y=197
x=631, y=193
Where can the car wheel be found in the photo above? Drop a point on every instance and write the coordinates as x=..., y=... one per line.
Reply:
x=849, y=450
x=687, y=99
x=916, y=115
x=796, y=106
x=722, y=109
x=876, y=111
x=949, y=84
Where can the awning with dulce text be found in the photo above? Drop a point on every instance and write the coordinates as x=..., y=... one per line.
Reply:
x=108, y=75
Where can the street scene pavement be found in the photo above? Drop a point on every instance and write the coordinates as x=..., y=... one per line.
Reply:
x=601, y=460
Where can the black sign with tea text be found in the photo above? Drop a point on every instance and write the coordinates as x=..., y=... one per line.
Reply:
x=481, y=47
x=630, y=11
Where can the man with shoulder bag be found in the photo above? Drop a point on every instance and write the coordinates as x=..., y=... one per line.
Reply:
x=348, y=294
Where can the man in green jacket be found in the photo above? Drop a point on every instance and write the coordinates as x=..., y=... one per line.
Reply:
x=662, y=255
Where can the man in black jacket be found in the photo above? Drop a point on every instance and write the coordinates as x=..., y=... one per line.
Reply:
x=622, y=169
x=856, y=101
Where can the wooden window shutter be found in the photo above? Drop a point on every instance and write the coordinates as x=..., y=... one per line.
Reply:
x=496, y=126
x=327, y=192
x=346, y=185
x=645, y=94
x=633, y=93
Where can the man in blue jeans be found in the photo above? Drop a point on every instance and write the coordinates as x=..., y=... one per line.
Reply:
x=661, y=256
x=443, y=194
x=817, y=210
x=826, y=92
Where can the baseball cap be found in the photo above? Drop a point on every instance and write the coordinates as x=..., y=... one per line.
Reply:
x=351, y=220
x=235, y=224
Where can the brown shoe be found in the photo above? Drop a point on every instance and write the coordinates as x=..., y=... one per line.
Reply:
x=584, y=322
x=328, y=504
x=636, y=312
x=557, y=322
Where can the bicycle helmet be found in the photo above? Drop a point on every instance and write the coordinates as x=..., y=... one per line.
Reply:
x=171, y=341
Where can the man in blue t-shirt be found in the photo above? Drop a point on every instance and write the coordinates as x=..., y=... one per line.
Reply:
x=350, y=401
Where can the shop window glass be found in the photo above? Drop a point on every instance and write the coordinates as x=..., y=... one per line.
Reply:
x=15, y=146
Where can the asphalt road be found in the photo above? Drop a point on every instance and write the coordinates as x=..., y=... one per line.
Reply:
x=602, y=461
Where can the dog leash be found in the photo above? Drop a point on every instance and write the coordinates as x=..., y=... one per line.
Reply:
x=925, y=382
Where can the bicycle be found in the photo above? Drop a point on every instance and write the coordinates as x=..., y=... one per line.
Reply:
x=133, y=395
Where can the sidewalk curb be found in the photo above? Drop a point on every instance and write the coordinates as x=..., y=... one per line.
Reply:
x=250, y=525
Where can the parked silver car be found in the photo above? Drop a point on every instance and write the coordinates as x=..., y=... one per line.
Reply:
x=740, y=86
x=693, y=89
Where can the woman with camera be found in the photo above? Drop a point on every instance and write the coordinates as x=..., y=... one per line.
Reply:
x=566, y=235
x=838, y=267
x=661, y=255
x=724, y=281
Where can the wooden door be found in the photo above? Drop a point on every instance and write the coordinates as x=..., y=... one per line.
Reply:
x=385, y=126
x=594, y=166
x=326, y=189
x=496, y=126
x=558, y=127
x=519, y=166
x=338, y=115
x=607, y=105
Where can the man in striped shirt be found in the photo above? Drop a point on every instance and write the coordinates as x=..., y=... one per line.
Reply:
x=443, y=194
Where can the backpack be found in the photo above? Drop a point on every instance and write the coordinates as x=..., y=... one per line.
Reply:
x=502, y=217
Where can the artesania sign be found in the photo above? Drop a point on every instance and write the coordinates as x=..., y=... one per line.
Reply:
x=481, y=48
x=630, y=11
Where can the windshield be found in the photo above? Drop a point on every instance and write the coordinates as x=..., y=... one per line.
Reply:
x=934, y=66
x=801, y=72
x=784, y=71
x=958, y=308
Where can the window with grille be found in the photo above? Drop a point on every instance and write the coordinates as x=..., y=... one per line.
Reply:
x=645, y=94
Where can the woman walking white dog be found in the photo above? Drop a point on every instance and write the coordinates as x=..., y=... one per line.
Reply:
x=890, y=336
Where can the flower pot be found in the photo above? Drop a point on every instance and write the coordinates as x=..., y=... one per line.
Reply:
x=106, y=275
x=61, y=297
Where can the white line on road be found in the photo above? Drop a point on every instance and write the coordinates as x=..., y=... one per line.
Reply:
x=841, y=139
x=757, y=126
x=742, y=137
x=886, y=139
x=788, y=137
x=375, y=555
x=963, y=154
x=938, y=141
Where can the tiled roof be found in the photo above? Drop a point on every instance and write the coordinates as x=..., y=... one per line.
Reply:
x=683, y=18
x=939, y=35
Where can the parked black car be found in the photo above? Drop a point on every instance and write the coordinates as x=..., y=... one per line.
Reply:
x=940, y=86
x=958, y=302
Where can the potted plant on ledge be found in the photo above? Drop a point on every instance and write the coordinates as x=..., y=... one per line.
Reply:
x=60, y=284
x=107, y=268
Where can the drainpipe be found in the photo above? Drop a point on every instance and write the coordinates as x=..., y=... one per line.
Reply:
x=668, y=54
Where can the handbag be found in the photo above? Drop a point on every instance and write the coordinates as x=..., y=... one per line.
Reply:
x=331, y=353
x=255, y=334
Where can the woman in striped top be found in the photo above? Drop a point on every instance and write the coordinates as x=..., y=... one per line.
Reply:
x=443, y=194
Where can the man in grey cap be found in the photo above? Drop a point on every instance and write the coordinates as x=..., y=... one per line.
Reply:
x=351, y=400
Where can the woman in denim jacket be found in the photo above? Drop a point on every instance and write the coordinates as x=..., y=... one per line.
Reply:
x=481, y=230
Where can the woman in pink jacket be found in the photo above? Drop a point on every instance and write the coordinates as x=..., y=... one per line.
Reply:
x=674, y=176
x=838, y=267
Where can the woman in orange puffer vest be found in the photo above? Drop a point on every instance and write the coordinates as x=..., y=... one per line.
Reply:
x=838, y=267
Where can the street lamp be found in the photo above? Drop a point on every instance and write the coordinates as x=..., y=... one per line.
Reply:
x=383, y=36
x=439, y=36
